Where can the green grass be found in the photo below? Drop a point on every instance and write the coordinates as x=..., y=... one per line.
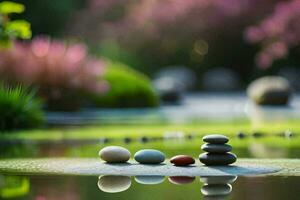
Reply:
x=19, y=109
x=116, y=131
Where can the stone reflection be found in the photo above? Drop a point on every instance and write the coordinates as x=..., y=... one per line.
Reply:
x=114, y=183
x=149, y=180
x=181, y=180
x=218, y=187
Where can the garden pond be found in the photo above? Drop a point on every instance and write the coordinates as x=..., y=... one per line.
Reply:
x=67, y=186
x=277, y=141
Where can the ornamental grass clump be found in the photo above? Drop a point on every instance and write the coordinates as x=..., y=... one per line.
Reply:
x=62, y=72
x=19, y=109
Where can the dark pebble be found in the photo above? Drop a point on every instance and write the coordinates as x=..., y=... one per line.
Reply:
x=257, y=134
x=217, y=159
x=215, y=139
x=216, y=148
x=104, y=140
x=127, y=140
x=241, y=135
x=144, y=139
x=190, y=136
x=182, y=160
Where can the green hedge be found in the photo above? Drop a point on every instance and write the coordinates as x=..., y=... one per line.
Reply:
x=128, y=88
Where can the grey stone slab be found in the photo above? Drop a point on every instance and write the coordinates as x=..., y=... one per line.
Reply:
x=86, y=166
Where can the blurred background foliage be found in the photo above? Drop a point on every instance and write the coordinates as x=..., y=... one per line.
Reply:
x=248, y=38
x=150, y=35
x=127, y=88
x=12, y=29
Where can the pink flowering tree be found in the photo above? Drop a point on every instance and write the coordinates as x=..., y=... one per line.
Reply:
x=163, y=32
x=277, y=33
x=61, y=72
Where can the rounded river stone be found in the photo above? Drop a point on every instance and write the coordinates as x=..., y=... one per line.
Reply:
x=149, y=180
x=149, y=156
x=114, y=154
x=215, y=139
x=114, y=184
x=216, y=148
x=270, y=90
x=182, y=160
x=218, y=179
x=216, y=190
x=217, y=159
x=181, y=180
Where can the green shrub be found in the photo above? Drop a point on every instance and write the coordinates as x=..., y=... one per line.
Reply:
x=128, y=88
x=19, y=109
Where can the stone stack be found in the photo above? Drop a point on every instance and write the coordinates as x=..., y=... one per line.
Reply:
x=217, y=151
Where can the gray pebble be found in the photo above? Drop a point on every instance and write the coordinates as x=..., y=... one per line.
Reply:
x=215, y=139
x=216, y=148
x=149, y=156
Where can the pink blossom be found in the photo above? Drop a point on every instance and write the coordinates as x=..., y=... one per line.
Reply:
x=281, y=31
x=53, y=65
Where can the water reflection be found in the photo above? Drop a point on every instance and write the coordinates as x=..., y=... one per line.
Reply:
x=181, y=180
x=149, y=180
x=13, y=186
x=114, y=184
x=218, y=187
x=215, y=187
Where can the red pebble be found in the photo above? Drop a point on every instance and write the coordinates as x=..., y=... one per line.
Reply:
x=181, y=180
x=182, y=160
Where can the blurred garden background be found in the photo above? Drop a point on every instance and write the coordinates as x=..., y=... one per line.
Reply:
x=78, y=75
x=99, y=69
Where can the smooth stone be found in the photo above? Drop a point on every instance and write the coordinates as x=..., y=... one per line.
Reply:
x=215, y=139
x=149, y=180
x=149, y=156
x=181, y=180
x=216, y=190
x=270, y=90
x=114, y=154
x=218, y=179
x=182, y=160
x=114, y=184
x=217, y=159
x=216, y=148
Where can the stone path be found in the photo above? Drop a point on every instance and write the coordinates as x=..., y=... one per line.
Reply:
x=86, y=166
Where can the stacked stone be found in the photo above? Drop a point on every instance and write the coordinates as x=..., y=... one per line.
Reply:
x=217, y=151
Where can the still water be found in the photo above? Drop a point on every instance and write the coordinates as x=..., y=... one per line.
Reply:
x=148, y=187
x=38, y=187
